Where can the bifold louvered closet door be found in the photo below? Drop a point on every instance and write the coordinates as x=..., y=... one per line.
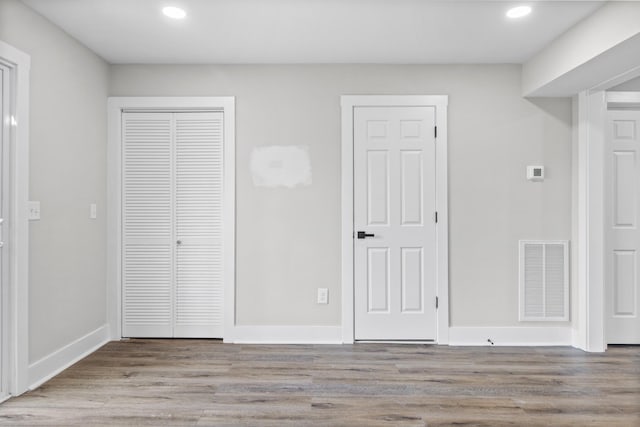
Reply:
x=172, y=224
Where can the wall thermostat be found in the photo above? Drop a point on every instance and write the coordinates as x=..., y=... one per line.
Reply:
x=535, y=173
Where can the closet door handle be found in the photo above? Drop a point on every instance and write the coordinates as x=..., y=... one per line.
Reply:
x=179, y=242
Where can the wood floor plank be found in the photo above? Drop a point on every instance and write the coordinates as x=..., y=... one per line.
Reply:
x=205, y=382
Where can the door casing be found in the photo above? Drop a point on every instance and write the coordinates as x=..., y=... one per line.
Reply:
x=348, y=103
x=116, y=105
x=16, y=229
x=5, y=118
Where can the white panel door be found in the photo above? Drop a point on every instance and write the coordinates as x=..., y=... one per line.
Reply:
x=623, y=234
x=147, y=225
x=198, y=220
x=394, y=207
x=172, y=225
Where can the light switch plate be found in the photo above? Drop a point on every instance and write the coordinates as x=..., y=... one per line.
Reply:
x=323, y=296
x=34, y=210
x=93, y=211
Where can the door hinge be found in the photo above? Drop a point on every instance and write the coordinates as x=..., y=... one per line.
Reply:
x=435, y=131
x=436, y=217
x=436, y=302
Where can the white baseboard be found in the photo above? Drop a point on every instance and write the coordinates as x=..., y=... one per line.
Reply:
x=49, y=366
x=285, y=335
x=511, y=336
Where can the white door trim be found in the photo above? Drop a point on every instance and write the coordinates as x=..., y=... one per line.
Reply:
x=590, y=231
x=590, y=330
x=348, y=103
x=19, y=65
x=114, y=196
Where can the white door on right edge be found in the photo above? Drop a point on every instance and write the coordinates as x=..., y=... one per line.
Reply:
x=5, y=121
x=623, y=235
x=394, y=207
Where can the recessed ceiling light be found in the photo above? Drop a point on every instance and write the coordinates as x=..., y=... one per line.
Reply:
x=174, y=12
x=518, y=12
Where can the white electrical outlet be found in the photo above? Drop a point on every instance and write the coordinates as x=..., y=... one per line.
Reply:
x=323, y=296
x=535, y=173
x=34, y=211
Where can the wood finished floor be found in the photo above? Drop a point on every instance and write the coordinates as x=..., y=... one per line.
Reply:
x=200, y=382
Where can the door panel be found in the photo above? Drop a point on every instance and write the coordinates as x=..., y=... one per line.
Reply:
x=147, y=220
x=412, y=282
x=394, y=199
x=198, y=204
x=625, y=188
x=624, y=282
x=623, y=236
x=411, y=169
x=378, y=187
x=378, y=280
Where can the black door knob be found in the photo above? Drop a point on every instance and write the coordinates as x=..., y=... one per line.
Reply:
x=362, y=234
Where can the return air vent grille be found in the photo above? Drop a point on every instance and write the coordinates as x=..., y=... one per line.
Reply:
x=544, y=280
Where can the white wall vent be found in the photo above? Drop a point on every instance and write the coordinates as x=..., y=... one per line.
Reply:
x=544, y=280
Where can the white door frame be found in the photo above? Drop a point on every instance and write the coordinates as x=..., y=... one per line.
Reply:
x=618, y=102
x=590, y=316
x=114, y=197
x=440, y=103
x=590, y=106
x=16, y=344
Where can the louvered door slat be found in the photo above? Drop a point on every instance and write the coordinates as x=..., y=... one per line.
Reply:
x=147, y=225
x=198, y=213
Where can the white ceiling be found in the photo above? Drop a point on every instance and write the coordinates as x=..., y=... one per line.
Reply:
x=313, y=31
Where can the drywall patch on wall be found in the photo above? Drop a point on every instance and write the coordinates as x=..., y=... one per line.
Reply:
x=286, y=166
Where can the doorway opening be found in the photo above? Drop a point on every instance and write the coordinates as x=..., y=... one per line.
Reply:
x=394, y=218
x=171, y=186
x=622, y=215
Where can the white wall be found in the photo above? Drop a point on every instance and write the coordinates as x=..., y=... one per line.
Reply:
x=67, y=293
x=288, y=239
x=631, y=85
